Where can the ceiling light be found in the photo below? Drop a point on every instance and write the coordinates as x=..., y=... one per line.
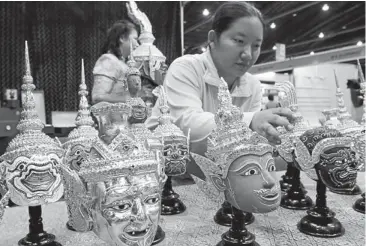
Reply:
x=321, y=35
x=325, y=7
x=294, y=15
x=205, y=12
x=344, y=27
x=312, y=53
x=273, y=25
x=203, y=49
x=274, y=47
x=359, y=43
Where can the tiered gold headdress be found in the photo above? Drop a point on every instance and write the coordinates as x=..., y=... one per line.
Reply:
x=147, y=51
x=347, y=126
x=232, y=137
x=84, y=133
x=288, y=99
x=172, y=135
x=32, y=154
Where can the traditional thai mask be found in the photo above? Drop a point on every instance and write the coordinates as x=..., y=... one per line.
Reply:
x=139, y=111
x=133, y=75
x=84, y=134
x=119, y=195
x=32, y=158
x=330, y=154
x=237, y=158
x=176, y=144
x=288, y=99
x=147, y=55
x=112, y=119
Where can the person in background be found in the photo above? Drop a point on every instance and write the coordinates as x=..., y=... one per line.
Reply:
x=271, y=103
x=192, y=81
x=110, y=69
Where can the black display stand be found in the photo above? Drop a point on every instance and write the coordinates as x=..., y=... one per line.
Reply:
x=295, y=197
x=224, y=215
x=171, y=204
x=237, y=235
x=159, y=236
x=354, y=192
x=321, y=221
x=359, y=205
x=37, y=236
x=287, y=178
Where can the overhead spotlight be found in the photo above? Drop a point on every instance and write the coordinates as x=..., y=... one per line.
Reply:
x=325, y=7
x=273, y=25
x=274, y=47
x=294, y=15
x=321, y=35
x=344, y=27
x=359, y=43
x=205, y=12
x=312, y=53
x=203, y=49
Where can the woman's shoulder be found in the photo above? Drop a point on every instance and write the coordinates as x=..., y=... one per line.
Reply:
x=192, y=62
x=107, y=62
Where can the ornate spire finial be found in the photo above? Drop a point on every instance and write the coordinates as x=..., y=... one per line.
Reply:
x=363, y=91
x=343, y=114
x=83, y=118
x=29, y=119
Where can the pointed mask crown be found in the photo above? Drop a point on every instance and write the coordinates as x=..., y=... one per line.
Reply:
x=232, y=138
x=84, y=122
x=30, y=139
x=347, y=126
x=166, y=128
x=363, y=91
x=121, y=158
x=132, y=65
x=288, y=99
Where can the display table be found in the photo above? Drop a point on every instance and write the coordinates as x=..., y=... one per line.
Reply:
x=196, y=227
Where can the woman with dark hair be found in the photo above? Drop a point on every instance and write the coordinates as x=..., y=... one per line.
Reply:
x=192, y=81
x=110, y=69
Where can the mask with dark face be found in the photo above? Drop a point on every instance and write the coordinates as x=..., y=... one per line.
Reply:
x=176, y=144
x=330, y=154
x=139, y=111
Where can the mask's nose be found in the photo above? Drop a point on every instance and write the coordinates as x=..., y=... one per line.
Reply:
x=268, y=180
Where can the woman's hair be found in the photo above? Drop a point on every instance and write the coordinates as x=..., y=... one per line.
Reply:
x=229, y=12
x=119, y=29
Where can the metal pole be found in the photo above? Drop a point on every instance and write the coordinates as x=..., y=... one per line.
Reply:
x=182, y=26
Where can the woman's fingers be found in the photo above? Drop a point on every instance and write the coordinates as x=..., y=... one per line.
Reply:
x=271, y=134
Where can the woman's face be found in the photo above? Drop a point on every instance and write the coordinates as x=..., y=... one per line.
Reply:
x=238, y=47
x=125, y=43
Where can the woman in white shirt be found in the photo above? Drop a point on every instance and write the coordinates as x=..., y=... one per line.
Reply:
x=110, y=69
x=192, y=81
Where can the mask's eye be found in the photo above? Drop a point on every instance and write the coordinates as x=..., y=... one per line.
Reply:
x=122, y=206
x=252, y=171
x=152, y=200
x=182, y=152
x=271, y=168
x=78, y=152
x=21, y=166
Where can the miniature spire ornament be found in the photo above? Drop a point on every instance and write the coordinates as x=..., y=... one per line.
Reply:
x=147, y=54
x=133, y=75
x=32, y=158
x=78, y=141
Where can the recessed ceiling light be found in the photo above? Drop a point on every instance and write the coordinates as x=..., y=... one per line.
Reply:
x=294, y=15
x=325, y=7
x=312, y=53
x=274, y=47
x=205, y=12
x=203, y=49
x=359, y=43
x=273, y=25
x=344, y=27
x=321, y=35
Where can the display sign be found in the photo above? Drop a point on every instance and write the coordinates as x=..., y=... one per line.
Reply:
x=280, y=52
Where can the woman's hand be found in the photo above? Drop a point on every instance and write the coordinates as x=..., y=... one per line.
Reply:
x=266, y=121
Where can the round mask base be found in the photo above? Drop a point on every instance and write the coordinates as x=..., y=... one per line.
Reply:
x=172, y=206
x=244, y=240
x=359, y=205
x=224, y=216
x=285, y=183
x=296, y=203
x=356, y=191
x=43, y=239
x=159, y=236
x=320, y=226
x=69, y=227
